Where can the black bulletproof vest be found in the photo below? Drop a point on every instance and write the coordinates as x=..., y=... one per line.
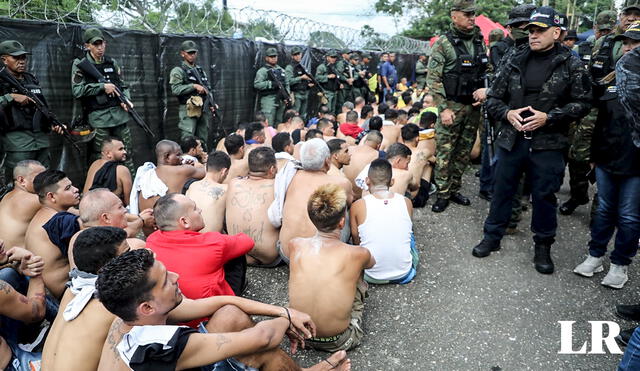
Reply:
x=331, y=84
x=584, y=50
x=299, y=71
x=191, y=77
x=602, y=63
x=101, y=101
x=15, y=116
x=468, y=73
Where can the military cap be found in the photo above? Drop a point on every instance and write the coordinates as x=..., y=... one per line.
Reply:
x=188, y=46
x=520, y=14
x=296, y=50
x=345, y=51
x=464, y=5
x=545, y=17
x=631, y=4
x=12, y=48
x=571, y=35
x=632, y=32
x=496, y=35
x=92, y=35
x=271, y=52
x=366, y=55
x=606, y=20
x=564, y=21
x=354, y=56
x=332, y=53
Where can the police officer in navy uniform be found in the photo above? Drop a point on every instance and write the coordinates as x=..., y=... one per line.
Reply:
x=24, y=129
x=534, y=98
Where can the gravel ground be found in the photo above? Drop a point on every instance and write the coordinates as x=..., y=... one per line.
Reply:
x=465, y=313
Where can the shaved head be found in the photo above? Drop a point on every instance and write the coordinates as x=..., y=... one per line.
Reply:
x=165, y=146
x=101, y=206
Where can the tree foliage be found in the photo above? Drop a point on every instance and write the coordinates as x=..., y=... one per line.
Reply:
x=428, y=18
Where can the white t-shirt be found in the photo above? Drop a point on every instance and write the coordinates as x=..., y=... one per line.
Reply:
x=386, y=233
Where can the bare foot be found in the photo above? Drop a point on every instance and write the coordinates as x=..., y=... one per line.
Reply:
x=337, y=361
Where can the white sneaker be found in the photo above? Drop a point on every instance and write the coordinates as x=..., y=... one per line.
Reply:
x=590, y=266
x=617, y=276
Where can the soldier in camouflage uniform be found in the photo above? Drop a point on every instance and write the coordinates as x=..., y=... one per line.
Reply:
x=456, y=79
x=299, y=82
x=272, y=102
x=365, y=71
x=604, y=24
x=605, y=55
x=327, y=76
x=534, y=98
x=100, y=106
x=421, y=71
x=345, y=90
x=24, y=130
x=184, y=84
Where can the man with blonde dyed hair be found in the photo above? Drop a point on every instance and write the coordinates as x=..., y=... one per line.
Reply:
x=325, y=274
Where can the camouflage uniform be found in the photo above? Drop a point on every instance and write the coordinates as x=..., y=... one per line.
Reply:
x=103, y=113
x=421, y=73
x=24, y=132
x=271, y=103
x=299, y=86
x=346, y=91
x=330, y=86
x=454, y=142
x=580, y=136
x=181, y=80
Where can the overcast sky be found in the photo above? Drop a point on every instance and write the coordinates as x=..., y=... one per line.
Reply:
x=353, y=14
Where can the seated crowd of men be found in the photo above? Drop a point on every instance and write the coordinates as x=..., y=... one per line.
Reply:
x=148, y=270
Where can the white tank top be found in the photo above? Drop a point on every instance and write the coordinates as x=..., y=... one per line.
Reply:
x=386, y=233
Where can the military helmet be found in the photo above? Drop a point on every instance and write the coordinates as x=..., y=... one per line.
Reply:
x=520, y=14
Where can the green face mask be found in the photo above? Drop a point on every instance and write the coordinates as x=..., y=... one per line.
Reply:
x=518, y=33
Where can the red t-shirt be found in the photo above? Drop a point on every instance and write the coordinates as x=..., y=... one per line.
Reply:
x=350, y=130
x=199, y=259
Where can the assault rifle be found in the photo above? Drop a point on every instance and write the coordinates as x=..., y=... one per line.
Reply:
x=209, y=103
x=90, y=70
x=282, y=91
x=40, y=106
x=488, y=127
x=321, y=92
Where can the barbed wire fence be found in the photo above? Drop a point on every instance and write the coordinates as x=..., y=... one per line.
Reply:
x=204, y=17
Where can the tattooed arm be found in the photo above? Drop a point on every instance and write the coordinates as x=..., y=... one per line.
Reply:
x=28, y=308
x=204, y=349
x=110, y=358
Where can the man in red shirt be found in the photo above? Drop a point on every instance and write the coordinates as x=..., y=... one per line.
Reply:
x=350, y=128
x=199, y=258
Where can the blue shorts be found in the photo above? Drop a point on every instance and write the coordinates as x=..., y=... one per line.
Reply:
x=229, y=364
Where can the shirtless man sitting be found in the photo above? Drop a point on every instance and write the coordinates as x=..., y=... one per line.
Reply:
x=29, y=308
x=283, y=147
x=242, y=126
x=326, y=127
x=362, y=156
x=390, y=131
x=192, y=149
x=346, y=107
x=19, y=206
x=145, y=296
x=247, y=203
x=419, y=165
x=210, y=194
x=340, y=156
x=316, y=162
x=56, y=194
x=399, y=156
x=254, y=137
x=325, y=274
x=312, y=133
x=109, y=172
x=80, y=328
x=296, y=123
x=169, y=171
x=235, y=146
x=101, y=208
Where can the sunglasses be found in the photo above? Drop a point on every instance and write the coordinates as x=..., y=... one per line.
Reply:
x=193, y=52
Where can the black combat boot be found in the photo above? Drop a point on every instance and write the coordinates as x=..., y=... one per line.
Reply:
x=542, y=259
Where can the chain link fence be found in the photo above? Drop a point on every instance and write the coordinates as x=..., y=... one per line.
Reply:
x=204, y=17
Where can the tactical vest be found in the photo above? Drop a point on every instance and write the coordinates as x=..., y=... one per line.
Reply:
x=331, y=84
x=299, y=71
x=358, y=81
x=603, y=62
x=102, y=101
x=191, y=77
x=14, y=116
x=584, y=50
x=468, y=73
x=279, y=75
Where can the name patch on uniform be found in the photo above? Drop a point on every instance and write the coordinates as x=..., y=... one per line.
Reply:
x=108, y=69
x=36, y=91
x=612, y=89
x=192, y=78
x=467, y=63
